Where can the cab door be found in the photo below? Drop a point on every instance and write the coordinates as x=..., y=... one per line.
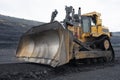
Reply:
x=86, y=24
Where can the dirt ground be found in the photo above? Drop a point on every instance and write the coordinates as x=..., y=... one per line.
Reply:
x=12, y=69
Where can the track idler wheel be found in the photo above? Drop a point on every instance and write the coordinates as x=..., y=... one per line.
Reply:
x=108, y=47
x=105, y=44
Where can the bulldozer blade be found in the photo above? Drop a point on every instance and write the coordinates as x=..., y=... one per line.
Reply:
x=49, y=44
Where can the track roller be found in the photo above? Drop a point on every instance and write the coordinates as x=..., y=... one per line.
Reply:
x=94, y=60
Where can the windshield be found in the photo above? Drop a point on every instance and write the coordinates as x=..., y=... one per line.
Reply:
x=86, y=23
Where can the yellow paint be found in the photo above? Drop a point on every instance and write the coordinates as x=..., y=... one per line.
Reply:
x=96, y=30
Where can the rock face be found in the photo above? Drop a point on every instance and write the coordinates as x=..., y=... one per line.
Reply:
x=12, y=28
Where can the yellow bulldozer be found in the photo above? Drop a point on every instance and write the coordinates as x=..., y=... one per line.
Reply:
x=77, y=37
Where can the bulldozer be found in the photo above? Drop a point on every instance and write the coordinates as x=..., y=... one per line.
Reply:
x=78, y=37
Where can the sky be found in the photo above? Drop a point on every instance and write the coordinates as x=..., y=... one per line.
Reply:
x=40, y=10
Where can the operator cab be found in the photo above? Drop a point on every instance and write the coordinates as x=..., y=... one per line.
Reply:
x=87, y=22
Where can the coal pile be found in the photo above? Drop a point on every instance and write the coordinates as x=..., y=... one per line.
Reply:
x=12, y=28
